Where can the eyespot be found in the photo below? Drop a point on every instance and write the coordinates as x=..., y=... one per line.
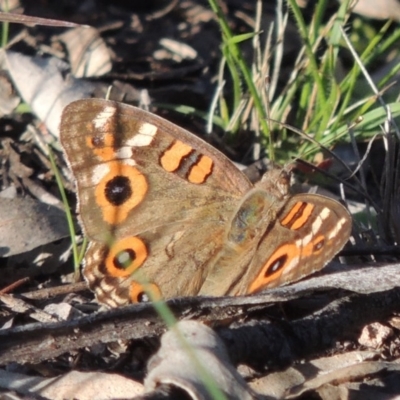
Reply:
x=126, y=256
x=119, y=191
x=144, y=293
x=318, y=244
x=284, y=257
x=275, y=266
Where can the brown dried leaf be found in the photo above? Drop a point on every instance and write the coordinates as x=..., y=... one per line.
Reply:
x=73, y=385
x=88, y=53
x=277, y=384
x=185, y=347
x=32, y=21
x=45, y=85
x=356, y=372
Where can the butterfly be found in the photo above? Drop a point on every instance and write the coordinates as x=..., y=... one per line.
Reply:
x=168, y=215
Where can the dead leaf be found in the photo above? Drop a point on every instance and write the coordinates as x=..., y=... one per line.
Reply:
x=277, y=384
x=45, y=85
x=184, y=348
x=348, y=374
x=26, y=224
x=32, y=20
x=88, y=53
x=73, y=385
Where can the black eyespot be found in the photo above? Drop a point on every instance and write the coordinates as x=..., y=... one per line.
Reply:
x=143, y=297
x=97, y=141
x=124, y=258
x=118, y=190
x=318, y=246
x=276, y=265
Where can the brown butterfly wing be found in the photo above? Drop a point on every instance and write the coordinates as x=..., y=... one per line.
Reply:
x=153, y=198
x=275, y=240
x=307, y=233
x=171, y=173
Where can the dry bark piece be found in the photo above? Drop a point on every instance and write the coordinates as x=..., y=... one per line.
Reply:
x=354, y=278
x=374, y=335
x=258, y=344
x=21, y=307
x=385, y=385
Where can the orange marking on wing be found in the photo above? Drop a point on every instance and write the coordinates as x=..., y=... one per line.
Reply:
x=136, y=254
x=106, y=154
x=99, y=141
x=319, y=240
x=151, y=289
x=282, y=257
x=115, y=214
x=299, y=215
x=104, y=146
x=285, y=220
x=172, y=157
x=310, y=249
x=201, y=170
x=302, y=220
x=88, y=140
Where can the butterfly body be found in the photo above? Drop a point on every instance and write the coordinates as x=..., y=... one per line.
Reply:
x=168, y=213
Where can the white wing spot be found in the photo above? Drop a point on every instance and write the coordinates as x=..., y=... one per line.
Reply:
x=144, y=136
x=102, y=117
x=294, y=262
x=316, y=225
x=99, y=172
x=129, y=161
x=307, y=239
x=337, y=228
x=325, y=213
x=123, y=153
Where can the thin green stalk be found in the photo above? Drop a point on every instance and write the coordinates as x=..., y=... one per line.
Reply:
x=318, y=17
x=67, y=210
x=5, y=28
x=235, y=52
x=309, y=52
